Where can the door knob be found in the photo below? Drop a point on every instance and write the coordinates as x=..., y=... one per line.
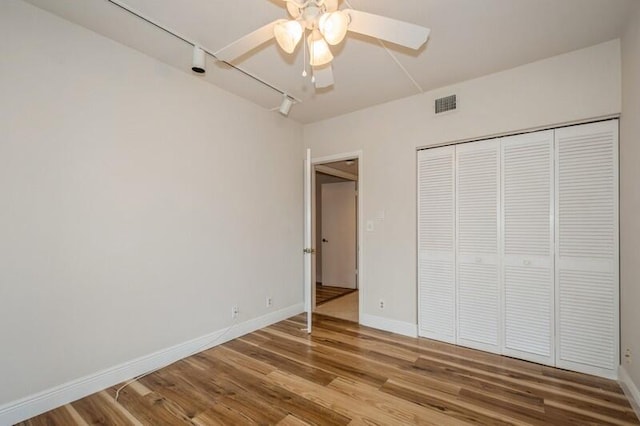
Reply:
x=324, y=240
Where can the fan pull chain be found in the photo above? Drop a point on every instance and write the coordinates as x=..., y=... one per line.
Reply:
x=304, y=62
x=312, y=55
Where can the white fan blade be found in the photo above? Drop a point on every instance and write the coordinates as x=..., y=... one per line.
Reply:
x=246, y=43
x=388, y=29
x=294, y=9
x=323, y=76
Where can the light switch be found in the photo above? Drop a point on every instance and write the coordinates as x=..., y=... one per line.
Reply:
x=380, y=215
x=370, y=226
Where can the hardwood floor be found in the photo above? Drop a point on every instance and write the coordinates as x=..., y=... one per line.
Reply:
x=344, y=307
x=349, y=374
x=325, y=293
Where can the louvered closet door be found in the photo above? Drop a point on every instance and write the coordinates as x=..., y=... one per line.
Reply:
x=436, y=243
x=527, y=246
x=587, y=248
x=477, y=269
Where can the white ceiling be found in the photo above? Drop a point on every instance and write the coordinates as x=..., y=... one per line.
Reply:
x=469, y=38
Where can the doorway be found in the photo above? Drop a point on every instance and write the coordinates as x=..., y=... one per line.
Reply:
x=336, y=236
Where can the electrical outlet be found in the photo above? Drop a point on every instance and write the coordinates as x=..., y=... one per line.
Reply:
x=627, y=356
x=235, y=311
x=381, y=304
x=269, y=302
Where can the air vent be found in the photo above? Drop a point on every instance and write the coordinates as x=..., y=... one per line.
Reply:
x=448, y=103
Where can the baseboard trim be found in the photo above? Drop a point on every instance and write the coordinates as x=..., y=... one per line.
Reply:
x=41, y=402
x=630, y=389
x=386, y=324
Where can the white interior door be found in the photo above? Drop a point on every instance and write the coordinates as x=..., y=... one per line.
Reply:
x=479, y=307
x=587, y=257
x=528, y=236
x=308, y=249
x=339, y=234
x=436, y=244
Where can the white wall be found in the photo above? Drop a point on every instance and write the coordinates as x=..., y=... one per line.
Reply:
x=127, y=194
x=573, y=86
x=630, y=198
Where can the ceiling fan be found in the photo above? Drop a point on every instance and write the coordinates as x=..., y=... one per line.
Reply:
x=325, y=25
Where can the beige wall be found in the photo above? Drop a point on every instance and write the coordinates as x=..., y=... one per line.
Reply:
x=630, y=197
x=574, y=86
x=125, y=224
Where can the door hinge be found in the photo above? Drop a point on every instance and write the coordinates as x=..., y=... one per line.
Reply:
x=309, y=251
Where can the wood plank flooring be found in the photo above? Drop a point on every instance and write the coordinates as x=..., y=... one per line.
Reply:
x=344, y=307
x=325, y=293
x=349, y=374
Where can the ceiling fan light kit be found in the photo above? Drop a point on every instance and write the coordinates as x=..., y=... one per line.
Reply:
x=327, y=26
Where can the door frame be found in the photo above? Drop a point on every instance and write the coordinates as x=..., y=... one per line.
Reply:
x=360, y=280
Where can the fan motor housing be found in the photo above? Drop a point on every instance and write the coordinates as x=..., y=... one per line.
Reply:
x=310, y=16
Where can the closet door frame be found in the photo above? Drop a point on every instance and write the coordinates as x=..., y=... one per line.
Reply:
x=556, y=261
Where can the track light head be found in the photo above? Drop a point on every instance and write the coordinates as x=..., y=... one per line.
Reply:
x=285, y=106
x=199, y=62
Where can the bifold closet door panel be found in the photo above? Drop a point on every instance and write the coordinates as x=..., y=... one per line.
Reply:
x=587, y=294
x=477, y=257
x=527, y=246
x=436, y=243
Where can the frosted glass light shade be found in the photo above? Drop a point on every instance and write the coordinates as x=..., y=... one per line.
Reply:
x=287, y=34
x=333, y=26
x=319, y=52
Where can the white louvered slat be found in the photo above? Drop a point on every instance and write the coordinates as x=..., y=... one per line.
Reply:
x=586, y=187
x=436, y=243
x=527, y=248
x=436, y=198
x=587, y=320
x=529, y=313
x=587, y=248
x=478, y=274
x=478, y=306
x=437, y=299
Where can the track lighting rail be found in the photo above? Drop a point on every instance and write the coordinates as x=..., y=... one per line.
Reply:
x=207, y=51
